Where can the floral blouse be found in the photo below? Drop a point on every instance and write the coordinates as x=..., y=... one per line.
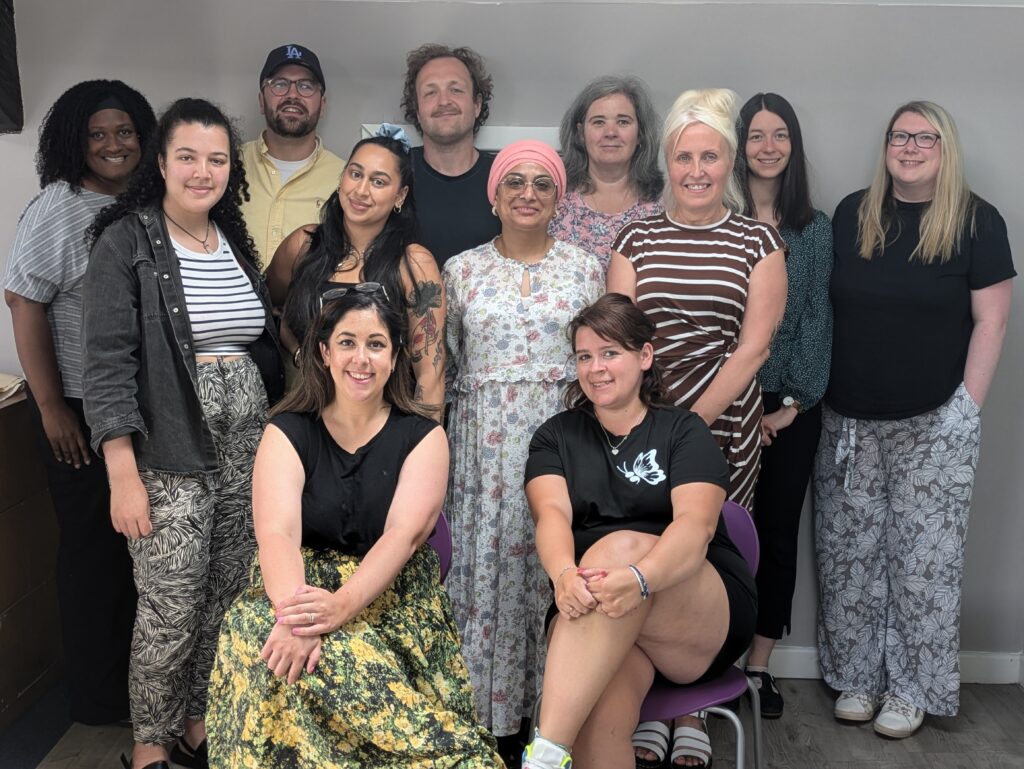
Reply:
x=577, y=223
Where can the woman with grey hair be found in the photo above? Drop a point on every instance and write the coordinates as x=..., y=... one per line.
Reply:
x=609, y=138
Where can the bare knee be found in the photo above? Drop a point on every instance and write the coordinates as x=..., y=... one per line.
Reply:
x=619, y=548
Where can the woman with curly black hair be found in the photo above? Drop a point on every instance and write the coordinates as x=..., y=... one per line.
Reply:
x=89, y=143
x=180, y=354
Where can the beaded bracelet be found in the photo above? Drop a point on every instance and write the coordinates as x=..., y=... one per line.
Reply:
x=644, y=590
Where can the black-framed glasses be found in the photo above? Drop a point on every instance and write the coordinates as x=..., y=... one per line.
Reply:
x=543, y=186
x=923, y=139
x=369, y=287
x=280, y=86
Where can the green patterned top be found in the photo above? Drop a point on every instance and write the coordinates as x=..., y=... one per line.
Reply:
x=802, y=348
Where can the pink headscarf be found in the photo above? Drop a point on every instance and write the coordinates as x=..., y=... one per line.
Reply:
x=526, y=151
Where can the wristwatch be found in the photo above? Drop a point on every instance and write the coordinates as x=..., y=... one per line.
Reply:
x=789, y=400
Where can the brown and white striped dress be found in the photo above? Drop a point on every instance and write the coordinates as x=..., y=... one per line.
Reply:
x=692, y=283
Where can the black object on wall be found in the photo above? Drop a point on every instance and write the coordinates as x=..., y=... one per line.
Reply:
x=12, y=113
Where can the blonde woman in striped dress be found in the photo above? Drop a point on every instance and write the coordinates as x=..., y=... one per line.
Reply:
x=714, y=284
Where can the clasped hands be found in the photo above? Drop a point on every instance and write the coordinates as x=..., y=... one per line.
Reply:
x=612, y=592
x=294, y=642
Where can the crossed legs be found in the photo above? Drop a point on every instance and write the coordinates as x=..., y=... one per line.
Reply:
x=599, y=669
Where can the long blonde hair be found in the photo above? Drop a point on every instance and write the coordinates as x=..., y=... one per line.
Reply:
x=715, y=108
x=952, y=206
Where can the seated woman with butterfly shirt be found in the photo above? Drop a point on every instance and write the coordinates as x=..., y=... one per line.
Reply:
x=626, y=492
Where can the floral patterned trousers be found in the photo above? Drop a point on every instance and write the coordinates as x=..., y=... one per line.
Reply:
x=891, y=501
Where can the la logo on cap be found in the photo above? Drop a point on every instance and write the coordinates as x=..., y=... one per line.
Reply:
x=293, y=53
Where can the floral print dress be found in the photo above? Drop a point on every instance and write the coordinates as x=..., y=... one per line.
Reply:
x=512, y=362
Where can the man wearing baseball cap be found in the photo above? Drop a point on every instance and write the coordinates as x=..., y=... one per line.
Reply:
x=290, y=172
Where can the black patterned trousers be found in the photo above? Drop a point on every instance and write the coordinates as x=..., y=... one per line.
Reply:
x=197, y=558
x=891, y=502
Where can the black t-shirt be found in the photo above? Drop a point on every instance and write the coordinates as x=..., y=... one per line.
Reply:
x=632, y=489
x=453, y=212
x=346, y=498
x=901, y=328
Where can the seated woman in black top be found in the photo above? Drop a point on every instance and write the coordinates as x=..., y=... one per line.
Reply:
x=362, y=666
x=630, y=490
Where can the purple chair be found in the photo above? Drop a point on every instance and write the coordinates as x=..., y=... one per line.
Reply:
x=441, y=541
x=666, y=700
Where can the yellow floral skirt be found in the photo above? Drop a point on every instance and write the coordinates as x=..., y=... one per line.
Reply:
x=391, y=688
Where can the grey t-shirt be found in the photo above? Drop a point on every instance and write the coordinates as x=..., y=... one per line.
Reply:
x=47, y=264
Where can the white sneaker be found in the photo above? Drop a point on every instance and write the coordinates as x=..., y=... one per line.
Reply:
x=898, y=718
x=544, y=754
x=855, y=706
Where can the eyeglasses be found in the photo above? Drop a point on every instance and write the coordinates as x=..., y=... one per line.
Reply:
x=543, y=186
x=369, y=287
x=280, y=86
x=925, y=139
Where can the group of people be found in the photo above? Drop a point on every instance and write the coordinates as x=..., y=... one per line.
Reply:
x=242, y=356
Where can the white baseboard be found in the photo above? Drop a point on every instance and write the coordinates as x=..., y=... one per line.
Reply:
x=975, y=667
x=990, y=667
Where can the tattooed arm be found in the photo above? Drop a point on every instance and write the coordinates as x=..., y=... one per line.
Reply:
x=425, y=298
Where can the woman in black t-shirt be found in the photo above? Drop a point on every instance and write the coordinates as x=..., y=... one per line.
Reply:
x=920, y=294
x=626, y=494
x=343, y=651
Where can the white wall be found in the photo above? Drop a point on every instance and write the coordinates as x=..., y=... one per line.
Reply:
x=844, y=67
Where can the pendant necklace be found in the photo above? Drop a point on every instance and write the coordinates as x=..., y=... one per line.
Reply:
x=352, y=251
x=204, y=242
x=616, y=446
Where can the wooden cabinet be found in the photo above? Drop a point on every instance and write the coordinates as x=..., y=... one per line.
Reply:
x=30, y=648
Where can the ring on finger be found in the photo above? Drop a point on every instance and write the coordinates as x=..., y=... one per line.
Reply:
x=312, y=619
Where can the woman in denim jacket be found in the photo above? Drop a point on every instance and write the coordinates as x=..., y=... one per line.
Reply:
x=180, y=354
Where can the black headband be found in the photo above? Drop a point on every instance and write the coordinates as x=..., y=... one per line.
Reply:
x=108, y=102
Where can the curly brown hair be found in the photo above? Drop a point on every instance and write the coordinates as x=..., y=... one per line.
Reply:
x=483, y=85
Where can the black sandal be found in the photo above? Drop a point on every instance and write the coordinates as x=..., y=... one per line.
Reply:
x=193, y=758
x=151, y=765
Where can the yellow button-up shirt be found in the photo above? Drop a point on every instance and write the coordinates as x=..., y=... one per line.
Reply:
x=274, y=210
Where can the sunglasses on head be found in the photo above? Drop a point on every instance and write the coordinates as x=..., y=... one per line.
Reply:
x=369, y=287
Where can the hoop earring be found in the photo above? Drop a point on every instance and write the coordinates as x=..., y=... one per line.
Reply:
x=398, y=208
x=494, y=210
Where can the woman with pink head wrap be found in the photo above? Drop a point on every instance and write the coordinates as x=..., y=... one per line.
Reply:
x=509, y=301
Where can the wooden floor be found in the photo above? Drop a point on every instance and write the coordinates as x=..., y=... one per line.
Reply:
x=987, y=734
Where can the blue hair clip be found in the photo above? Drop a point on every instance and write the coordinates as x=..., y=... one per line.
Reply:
x=394, y=132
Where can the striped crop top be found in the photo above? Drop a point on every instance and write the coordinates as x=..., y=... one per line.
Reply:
x=224, y=311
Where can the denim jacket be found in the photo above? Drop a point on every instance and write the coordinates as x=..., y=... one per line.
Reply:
x=139, y=368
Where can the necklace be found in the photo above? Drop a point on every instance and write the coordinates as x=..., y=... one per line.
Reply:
x=205, y=242
x=352, y=251
x=613, y=447
x=616, y=446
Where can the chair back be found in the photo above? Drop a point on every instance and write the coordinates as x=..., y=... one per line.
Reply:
x=742, y=532
x=441, y=541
